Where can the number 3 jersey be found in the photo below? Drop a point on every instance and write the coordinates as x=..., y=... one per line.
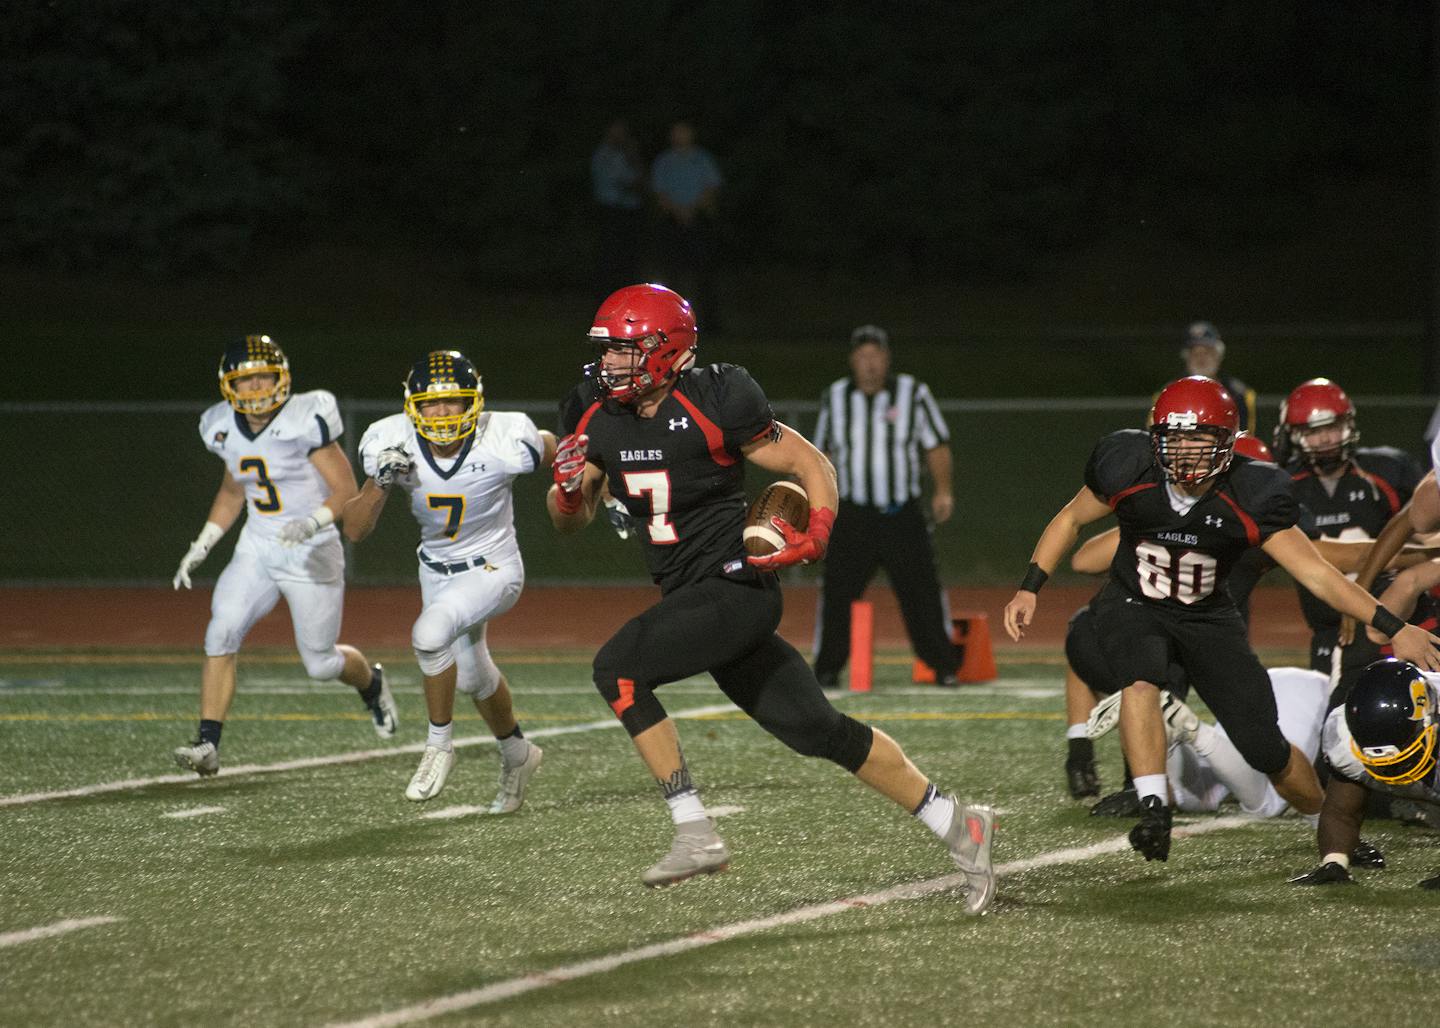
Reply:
x=680, y=473
x=273, y=465
x=1182, y=557
x=464, y=502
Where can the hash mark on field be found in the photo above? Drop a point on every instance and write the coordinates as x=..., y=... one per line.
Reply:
x=724, y=811
x=193, y=812
x=51, y=930
x=448, y=813
x=512, y=987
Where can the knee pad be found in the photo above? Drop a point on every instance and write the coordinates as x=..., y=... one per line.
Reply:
x=634, y=703
x=837, y=738
x=430, y=638
x=1263, y=746
x=478, y=676
x=222, y=638
x=323, y=665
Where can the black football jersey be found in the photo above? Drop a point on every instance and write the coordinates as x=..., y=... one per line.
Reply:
x=681, y=473
x=1376, y=484
x=1183, y=560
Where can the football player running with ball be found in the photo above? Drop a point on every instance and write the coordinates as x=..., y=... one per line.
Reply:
x=283, y=463
x=459, y=463
x=671, y=440
x=1188, y=511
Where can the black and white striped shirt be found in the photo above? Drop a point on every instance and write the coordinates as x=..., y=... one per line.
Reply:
x=878, y=442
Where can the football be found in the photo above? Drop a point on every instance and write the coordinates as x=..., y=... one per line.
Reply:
x=783, y=500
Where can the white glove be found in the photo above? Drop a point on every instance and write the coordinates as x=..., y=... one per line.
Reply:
x=293, y=533
x=199, y=550
x=393, y=462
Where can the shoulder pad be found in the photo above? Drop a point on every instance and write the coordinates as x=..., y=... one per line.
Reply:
x=1119, y=461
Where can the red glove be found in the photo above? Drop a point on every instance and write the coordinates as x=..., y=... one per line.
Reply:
x=800, y=547
x=569, y=471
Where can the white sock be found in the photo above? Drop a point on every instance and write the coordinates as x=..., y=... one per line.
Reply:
x=1251, y=788
x=513, y=750
x=937, y=812
x=1076, y=731
x=1153, y=785
x=1313, y=820
x=686, y=807
x=439, y=735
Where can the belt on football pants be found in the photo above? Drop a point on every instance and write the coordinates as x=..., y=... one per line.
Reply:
x=449, y=569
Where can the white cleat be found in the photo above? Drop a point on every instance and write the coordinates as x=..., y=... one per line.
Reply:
x=1181, y=723
x=1104, y=716
x=697, y=850
x=201, y=757
x=969, y=841
x=513, y=781
x=384, y=714
x=430, y=776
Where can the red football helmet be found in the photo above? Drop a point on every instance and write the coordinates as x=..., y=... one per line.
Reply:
x=655, y=321
x=1318, y=403
x=1186, y=412
x=1251, y=446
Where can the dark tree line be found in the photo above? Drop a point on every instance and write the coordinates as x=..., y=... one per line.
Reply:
x=931, y=135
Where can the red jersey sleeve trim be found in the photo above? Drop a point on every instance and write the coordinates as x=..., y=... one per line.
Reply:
x=1114, y=501
x=1252, y=530
x=713, y=436
x=1391, y=496
x=584, y=421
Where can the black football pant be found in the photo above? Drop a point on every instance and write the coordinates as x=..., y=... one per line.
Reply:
x=864, y=540
x=726, y=626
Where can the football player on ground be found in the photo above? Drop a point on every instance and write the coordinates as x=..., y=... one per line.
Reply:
x=1382, y=739
x=459, y=463
x=672, y=441
x=282, y=461
x=1186, y=517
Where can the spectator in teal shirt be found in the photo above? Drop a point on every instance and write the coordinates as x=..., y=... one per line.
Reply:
x=686, y=182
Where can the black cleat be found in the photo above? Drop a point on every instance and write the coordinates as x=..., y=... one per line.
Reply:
x=1329, y=873
x=1366, y=855
x=1433, y=882
x=1125, y=803
x=1151, y=837
x=1081, y=776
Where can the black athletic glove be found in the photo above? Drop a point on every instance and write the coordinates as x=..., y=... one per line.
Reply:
x=1329, y=873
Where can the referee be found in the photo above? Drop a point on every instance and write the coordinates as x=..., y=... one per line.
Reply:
x=879, y=430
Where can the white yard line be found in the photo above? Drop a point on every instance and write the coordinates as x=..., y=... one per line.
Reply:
x=354, y=757
x=51, y=930
x=513, y=987
x=193, y=812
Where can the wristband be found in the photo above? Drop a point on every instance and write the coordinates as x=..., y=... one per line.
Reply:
x=209, y=535
x=322, y=516
x=1385, y=622
x=1343, y=859
x=567, y=503
x=1034, y=578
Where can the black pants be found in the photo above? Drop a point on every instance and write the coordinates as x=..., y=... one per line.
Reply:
x=864, y=540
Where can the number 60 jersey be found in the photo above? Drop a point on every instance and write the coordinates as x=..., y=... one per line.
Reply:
x=1178, y=550
x=463, y=502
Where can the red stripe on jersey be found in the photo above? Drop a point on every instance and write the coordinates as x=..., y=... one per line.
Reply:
x=1252, y=530
x=713, y=436
x=627, y=697
x=1300, y=476
x=1114, y=501
x=584, y=421
x=1391, y=496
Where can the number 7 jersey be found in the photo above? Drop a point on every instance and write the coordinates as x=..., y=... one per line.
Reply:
x=463, y=503
x=1182, y=560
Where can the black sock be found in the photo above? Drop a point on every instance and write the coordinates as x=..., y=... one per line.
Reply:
x=210, y=731
x=371, y=693
x=1081, y=749
x=516, y=734
x=1129, y=778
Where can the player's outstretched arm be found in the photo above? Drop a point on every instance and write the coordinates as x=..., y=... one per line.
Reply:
x=787, y=452
x=1097, y=553
x=1059, y=535
x=1420, y=515
x=224, y=510
x=362, y=513
x=1339, y=832
x=1297, y=555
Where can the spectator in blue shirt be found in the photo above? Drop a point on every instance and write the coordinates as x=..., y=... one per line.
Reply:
x=617, y=182
x=686, y=182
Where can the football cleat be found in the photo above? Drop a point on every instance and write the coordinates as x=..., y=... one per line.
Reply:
x=1082, y=777
x=201, y=757
x=1104, y=716
x=969, y=839
x=1151, y=837
x=1125, y=803
x=1181, y=723
x=513, y=780
x=430, y=776
x=697, y=850
x=1418, y=814
x=383, y=712
x=1433, y=882
x=1329, y=873
x=1366, y=855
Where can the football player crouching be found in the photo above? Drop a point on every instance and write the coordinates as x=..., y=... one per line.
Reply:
x=284, y=467
x=458, y=463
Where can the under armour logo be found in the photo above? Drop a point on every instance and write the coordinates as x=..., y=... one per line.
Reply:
x=1214, y=520
x=1356, y=495
x=679, y=424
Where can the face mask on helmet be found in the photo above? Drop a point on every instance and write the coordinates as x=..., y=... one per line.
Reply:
x=1391, y=714
x=645, y=336
x=1319, y=423
x=1193, y=426
x=255, y=376
x=445, y=375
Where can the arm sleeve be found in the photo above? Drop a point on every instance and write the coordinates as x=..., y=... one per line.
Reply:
x=523, y=448
x=930, y=426
x=745, y=412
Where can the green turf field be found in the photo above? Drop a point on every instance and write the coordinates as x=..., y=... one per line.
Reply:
x=316, y=894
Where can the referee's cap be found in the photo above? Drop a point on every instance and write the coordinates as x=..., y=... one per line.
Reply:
x=1202, y=333
x=870, y=334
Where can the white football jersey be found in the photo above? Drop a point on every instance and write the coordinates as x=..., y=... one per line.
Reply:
x=463, y=503
x=274, y=464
